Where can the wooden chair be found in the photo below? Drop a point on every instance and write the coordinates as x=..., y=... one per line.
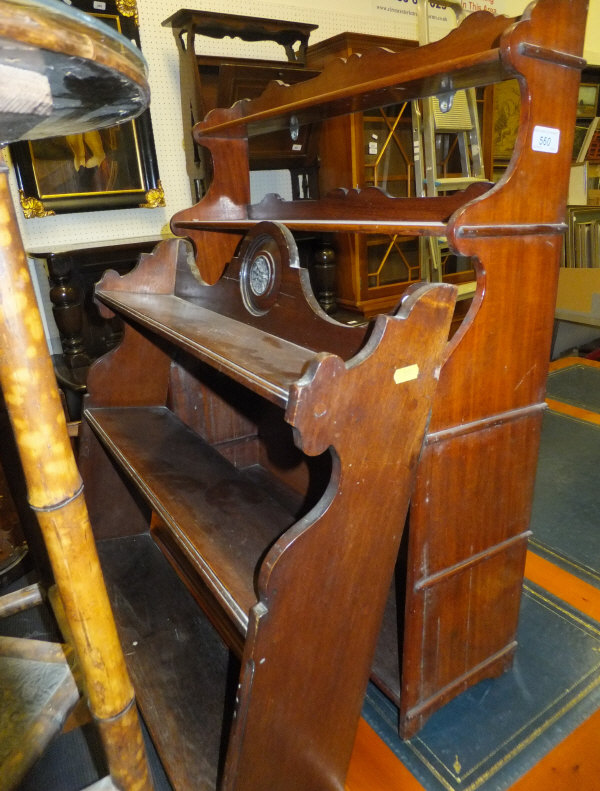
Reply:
x=37, y=683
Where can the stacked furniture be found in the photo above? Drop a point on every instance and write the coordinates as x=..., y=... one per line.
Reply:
x=268, y=450
x=470, y=511
x=218, y=81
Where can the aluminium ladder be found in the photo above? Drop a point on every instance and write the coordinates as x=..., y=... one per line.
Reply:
x=441, y=125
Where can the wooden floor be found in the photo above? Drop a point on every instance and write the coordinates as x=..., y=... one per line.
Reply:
x=573, y=765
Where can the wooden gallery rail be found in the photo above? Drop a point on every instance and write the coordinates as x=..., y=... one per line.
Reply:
x=263, y=448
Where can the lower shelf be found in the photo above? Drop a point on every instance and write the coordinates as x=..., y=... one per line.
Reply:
x=184, y=676
x=221, y=520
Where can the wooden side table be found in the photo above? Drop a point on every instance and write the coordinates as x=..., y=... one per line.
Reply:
x=209, y=82
x=84, y=334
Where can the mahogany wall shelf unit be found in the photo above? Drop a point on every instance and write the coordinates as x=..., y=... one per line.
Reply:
x=470, y=510
x=255, y=429
x=201, y=375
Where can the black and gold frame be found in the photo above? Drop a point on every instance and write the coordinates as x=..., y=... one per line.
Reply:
x=112, y=168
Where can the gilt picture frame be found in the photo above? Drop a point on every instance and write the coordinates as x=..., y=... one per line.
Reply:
x=113, y=168
x=587, y=100
x=506, y=110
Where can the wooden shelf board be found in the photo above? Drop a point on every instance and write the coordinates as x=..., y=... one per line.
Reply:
x=400, y=80
x=219, y=517
x=400, y=227
x=181, y=671
x=264, y=363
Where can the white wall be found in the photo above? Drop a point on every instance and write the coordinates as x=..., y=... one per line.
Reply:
x=592, y=38
x=383, y=17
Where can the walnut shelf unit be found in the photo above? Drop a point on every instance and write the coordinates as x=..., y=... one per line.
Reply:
x=226, y=352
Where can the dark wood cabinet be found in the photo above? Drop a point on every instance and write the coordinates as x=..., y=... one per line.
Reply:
x=360, y=150
x=73, y=271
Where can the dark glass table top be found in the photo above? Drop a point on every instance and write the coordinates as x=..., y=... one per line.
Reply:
x=64, y=72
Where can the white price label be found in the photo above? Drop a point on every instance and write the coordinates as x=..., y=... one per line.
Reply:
x=545, y=138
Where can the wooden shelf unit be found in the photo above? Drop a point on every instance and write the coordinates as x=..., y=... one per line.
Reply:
x=224, y=436
x=470, y=510
x=208, y=82
x=230, y=340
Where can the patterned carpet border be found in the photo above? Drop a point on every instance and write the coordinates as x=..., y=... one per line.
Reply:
x=488, y=736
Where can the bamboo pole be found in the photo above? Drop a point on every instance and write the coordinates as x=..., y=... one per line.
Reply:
x=55, y=494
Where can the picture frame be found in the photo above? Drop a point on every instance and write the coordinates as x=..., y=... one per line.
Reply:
x=506, y=105
x=589, y=149
x=114, y=168
x=578, y=140
x=587, y=100
x=583, y=237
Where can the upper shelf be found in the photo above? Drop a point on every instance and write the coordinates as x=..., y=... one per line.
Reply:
x=469, y=56
x=316, y=223
x=477, y=53
x=541, y=49
x=366, y=211
x=265, y=363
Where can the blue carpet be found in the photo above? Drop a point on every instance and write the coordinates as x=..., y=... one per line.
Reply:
x=578, y=385
x=566, y=508
x=491, y=734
